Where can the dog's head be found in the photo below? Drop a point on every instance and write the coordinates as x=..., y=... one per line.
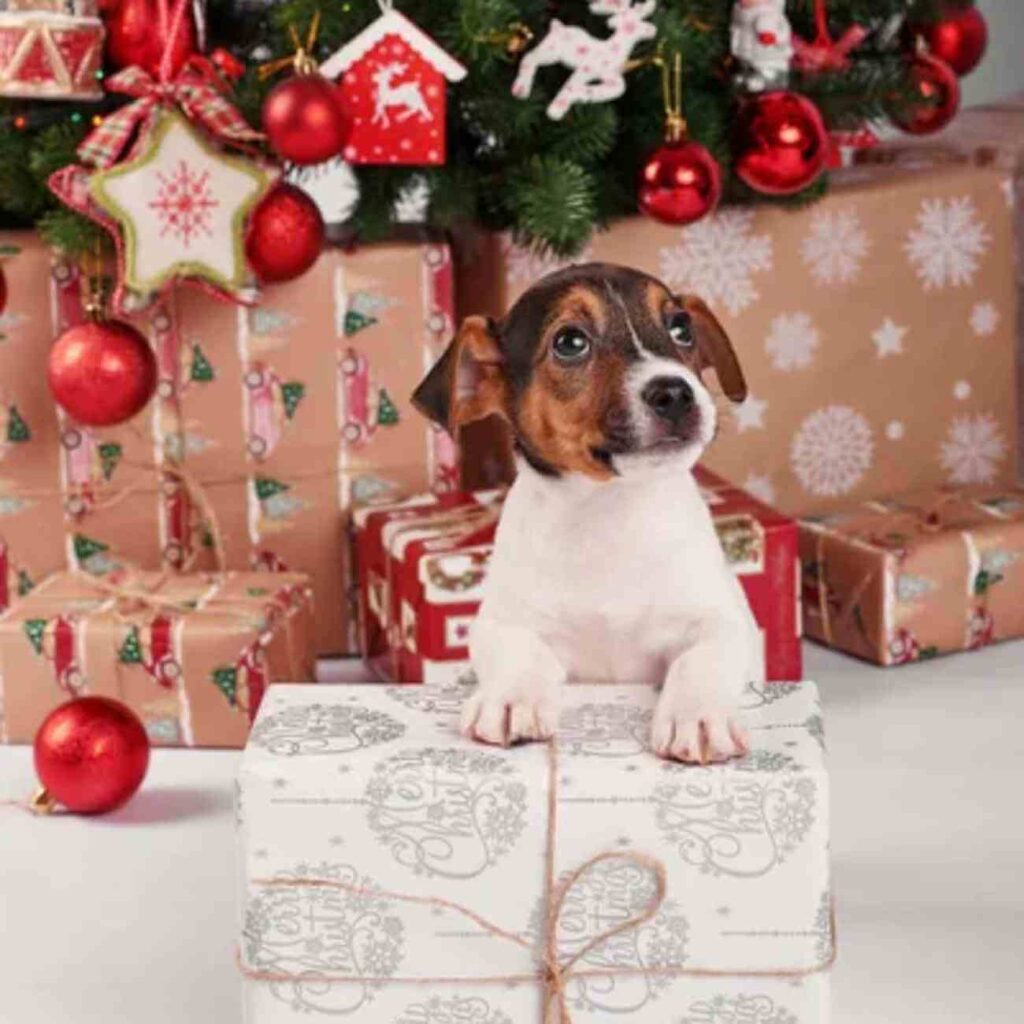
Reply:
x=596, y=368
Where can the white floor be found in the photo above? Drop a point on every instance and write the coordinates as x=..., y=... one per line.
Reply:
x=130, y=918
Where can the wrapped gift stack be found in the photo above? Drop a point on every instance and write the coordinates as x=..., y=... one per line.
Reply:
x=394, y=871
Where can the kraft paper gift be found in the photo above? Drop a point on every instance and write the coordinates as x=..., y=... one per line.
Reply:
x=877, y=329
x=370, y=833
x=191, y=654
x=918, y=575
x=283, y=417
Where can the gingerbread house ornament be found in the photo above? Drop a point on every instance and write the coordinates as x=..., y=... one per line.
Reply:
x=393, y=81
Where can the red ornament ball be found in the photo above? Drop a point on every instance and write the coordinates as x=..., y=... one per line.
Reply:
x=285, y=234
x=959, y=38
x=91, y=754
x=136, y=34
x=680, y=182
x=102, y=372
x=782, y=144
x=304, y=119
x=936, y=97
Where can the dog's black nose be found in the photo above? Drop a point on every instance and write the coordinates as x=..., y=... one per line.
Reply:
x=668, y=397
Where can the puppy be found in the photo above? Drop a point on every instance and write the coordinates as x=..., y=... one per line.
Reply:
x=606, y=564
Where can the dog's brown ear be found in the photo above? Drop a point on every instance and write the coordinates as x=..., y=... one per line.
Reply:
x=467, y=382
x=715, y=348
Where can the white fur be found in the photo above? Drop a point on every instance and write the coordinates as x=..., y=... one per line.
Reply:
x=619, y=581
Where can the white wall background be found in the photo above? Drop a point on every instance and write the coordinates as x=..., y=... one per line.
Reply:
x=1002, y=71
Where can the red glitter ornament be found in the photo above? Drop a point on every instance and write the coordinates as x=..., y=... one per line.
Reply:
x=140, y=31
x=91, y=755
x=937, y=97
x=304, y=119
x=285, y=234
x=680, y=182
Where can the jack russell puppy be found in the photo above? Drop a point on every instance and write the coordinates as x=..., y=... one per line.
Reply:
x=606, y=565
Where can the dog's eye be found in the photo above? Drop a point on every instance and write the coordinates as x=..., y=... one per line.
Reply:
x=570, y=345
x=680, y=328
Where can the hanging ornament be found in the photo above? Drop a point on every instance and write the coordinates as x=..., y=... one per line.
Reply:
x=597, y=65
x=51, y=50
x=936, y=92
x=823, y=53
x=91, y=755
x=303, y=116
x=781, y=145
x=392, y=79
x=761, y=43
x=101, y=372
x=139, y=33
x=285, y=234
x=679, y=182
x=959, y=37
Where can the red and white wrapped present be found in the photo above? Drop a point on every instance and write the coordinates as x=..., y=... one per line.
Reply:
x=422, y=563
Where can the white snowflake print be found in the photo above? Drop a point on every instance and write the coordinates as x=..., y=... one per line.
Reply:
x=984, y=319
x=717, y=258
x=888, y=338
x=792, y=342
x=527, y=266
x=947, y=245
x=832, y=450
x=184, y=203
x=894, y=430
x=749, y=415
x=835, y=247
x=760, y=486
x=973, y=449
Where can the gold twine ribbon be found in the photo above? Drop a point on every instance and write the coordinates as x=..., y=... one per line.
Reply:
x=302, y=60
x=554, y=972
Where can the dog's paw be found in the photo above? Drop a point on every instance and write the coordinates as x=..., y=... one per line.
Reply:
x=696, y=736
x=506, y=716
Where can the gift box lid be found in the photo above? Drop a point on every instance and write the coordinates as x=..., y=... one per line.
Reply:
x=354, y=798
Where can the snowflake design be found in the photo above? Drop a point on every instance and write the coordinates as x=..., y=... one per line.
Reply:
x=527, y=266
x=717, y=258
x=184, y=203
x=984, y=319
x=835, y=247
x=832, y=450
x=947, y=245
x=973, y=449
x=792, y=342
x=760, y=486
x=728, y=1009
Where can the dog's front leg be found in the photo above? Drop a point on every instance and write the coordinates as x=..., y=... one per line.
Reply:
x=695, y=720
x=517, y=692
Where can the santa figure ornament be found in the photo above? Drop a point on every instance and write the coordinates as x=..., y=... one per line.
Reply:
x=392, y=80
x=761, y=42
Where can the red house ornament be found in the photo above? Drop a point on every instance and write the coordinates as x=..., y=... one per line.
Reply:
x=393, y=78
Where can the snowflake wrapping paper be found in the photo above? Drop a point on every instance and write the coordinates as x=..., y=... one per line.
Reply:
x=286, y=415
x=917, y=575
x=877, y=329
x=372, y=787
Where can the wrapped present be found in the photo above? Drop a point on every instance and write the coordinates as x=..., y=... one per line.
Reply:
x=51, y=49
x=423, y=562
x=396, y=872
x=281, y=416
x=191, y=654
x=876, y=328
x=911, y=577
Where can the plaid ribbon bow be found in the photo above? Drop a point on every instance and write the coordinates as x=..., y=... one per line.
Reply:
x=198, y=98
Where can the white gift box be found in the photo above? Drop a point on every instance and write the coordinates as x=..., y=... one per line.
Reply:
x=354, y=799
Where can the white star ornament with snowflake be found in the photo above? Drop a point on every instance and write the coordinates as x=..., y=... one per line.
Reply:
x=181, y=205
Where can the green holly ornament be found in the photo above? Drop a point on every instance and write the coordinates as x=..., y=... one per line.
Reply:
x=17, y=428
x=387, y=411
x=202, y=368
x=292, y=393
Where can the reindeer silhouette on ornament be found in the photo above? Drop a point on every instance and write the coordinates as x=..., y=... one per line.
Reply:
x=387, y=94
x=598, y=65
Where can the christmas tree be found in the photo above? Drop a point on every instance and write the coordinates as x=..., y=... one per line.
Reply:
x=387, y=411
x=17, y=428
x=226, y=680
x=202, y=368
x=510, y=165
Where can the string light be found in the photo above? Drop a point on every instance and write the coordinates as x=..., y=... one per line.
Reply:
x=20, y=122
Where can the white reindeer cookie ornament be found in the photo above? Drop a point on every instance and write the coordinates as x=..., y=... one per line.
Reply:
x=598, y=65
x=761, y=41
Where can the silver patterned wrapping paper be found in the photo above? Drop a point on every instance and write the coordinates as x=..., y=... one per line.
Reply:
x=372, y=787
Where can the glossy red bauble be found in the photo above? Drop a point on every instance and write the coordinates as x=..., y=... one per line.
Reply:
x=102, y=372
x=285, y=234
x=304, y=119
x=959, y=38
x=91, y=754
x=781, y=143
x=680, y=182
x=936, y=97
x=138, y=31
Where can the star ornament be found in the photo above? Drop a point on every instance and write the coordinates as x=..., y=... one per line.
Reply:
x=178, y=209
